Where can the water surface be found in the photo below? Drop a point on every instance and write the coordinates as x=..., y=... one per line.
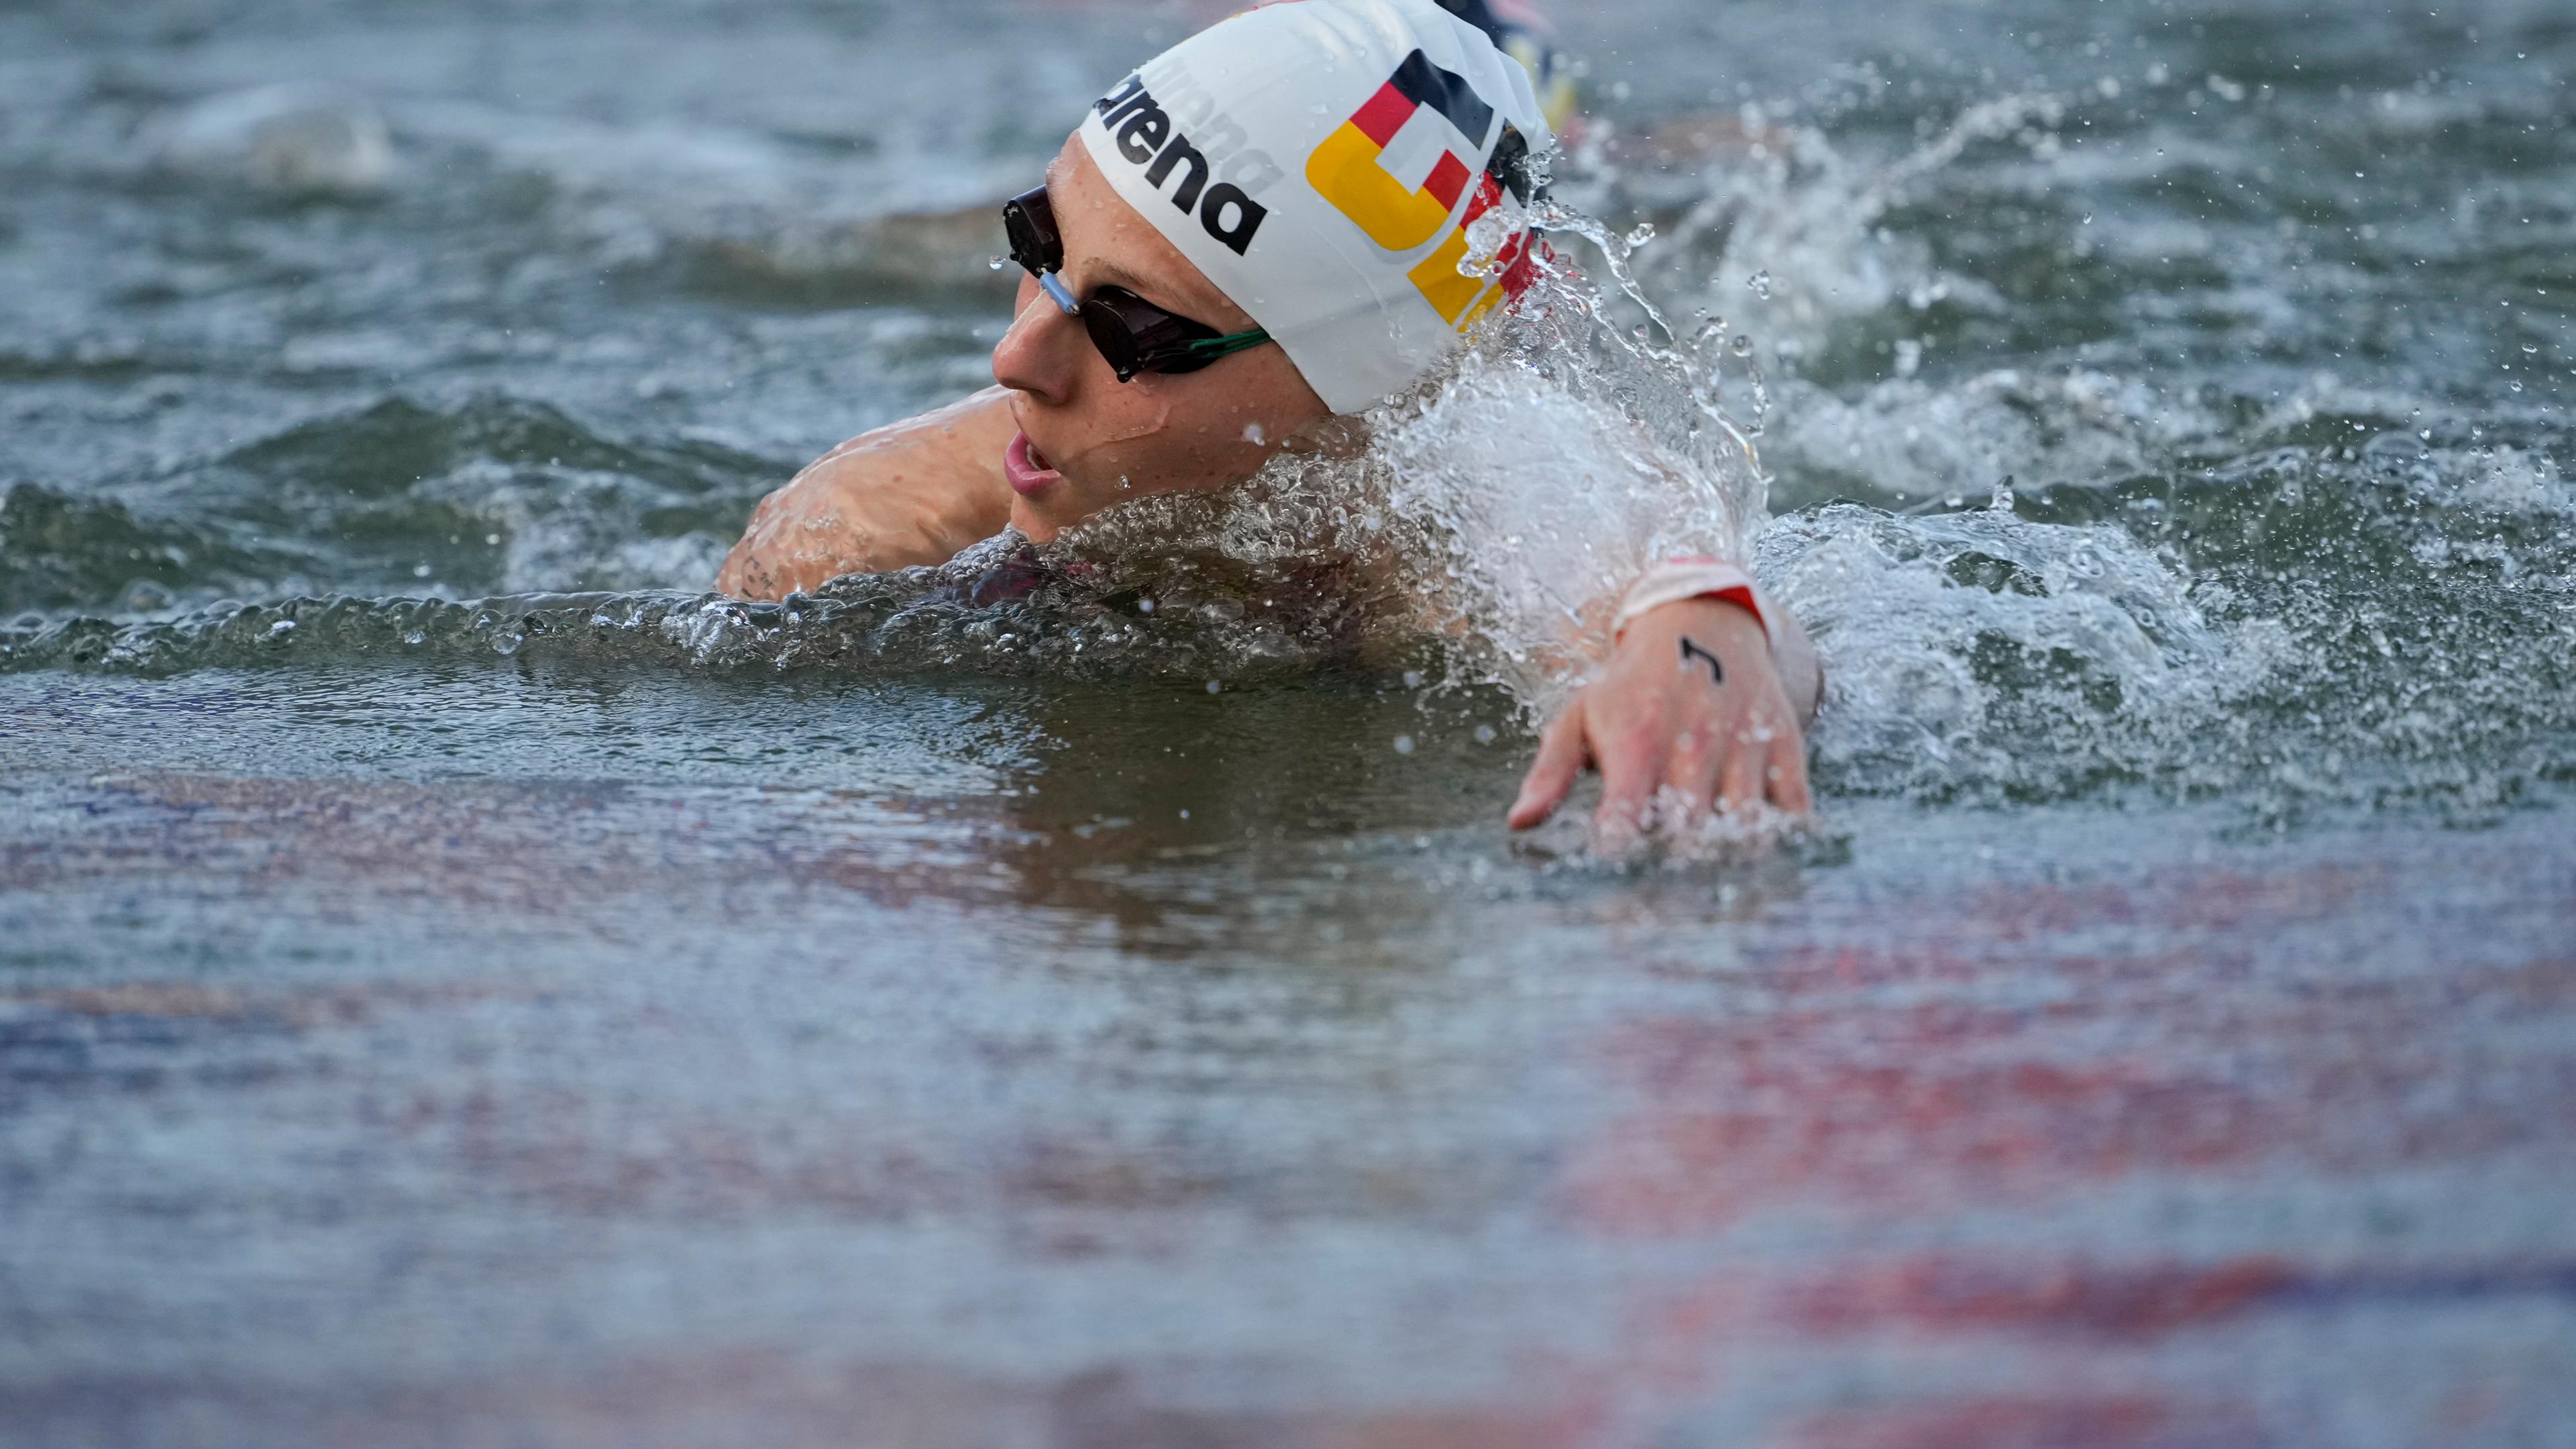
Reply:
x=459, y=985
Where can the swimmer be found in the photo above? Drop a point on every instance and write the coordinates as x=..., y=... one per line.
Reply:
x=1217, y=263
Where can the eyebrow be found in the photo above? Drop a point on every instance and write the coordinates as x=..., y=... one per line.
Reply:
x=1107, y=269
x=1099, y=270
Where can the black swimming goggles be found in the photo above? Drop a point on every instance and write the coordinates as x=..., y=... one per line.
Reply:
x=1133, y=334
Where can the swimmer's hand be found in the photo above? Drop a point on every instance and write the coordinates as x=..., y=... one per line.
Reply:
x=1694, y=698
x=916, y=492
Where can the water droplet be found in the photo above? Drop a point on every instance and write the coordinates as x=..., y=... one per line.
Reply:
x=2530, y=348
x=1760, y=282
x=997, y=263
x=1484, y=734
x=1404, y=744
x=1413, y=679
x=1640, y=234
x=1742, y=346
x=1214, y=687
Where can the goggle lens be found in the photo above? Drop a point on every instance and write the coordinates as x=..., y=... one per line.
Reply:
x=1133, y=335
x=1028, y=219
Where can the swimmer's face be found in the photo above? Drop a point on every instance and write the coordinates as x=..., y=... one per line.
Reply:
x=1092, y=440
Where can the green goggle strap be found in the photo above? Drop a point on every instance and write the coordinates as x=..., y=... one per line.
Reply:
x=1212, y=348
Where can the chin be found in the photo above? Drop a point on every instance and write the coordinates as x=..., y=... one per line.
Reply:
x=1042, y=517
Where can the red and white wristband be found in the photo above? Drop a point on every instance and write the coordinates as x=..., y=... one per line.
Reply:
x=1681, y=579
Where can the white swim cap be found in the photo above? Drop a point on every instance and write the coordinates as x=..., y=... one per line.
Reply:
x=1320, y=161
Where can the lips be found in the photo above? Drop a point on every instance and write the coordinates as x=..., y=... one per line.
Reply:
x=1026, y=467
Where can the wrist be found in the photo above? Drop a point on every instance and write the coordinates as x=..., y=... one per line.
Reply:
x=1718, y=623
x=1681, y=580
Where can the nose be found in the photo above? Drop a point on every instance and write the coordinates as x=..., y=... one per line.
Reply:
x=1037, y=356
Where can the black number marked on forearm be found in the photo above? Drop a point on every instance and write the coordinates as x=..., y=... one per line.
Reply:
x=1691, y=651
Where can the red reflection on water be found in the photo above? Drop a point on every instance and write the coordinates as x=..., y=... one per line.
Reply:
x=1744, y=1115
x=1943, y=1292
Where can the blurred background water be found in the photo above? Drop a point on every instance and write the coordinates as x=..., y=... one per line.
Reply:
x=461, y=985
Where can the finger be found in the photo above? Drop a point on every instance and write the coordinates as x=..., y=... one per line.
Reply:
x=1739, y=781
x=1692, y=771
x=1551, y=775
x=1631, y=768
x=1787, y=772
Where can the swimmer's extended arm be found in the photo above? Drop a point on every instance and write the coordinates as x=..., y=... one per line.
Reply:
x=1695, y=697
x=914, y=492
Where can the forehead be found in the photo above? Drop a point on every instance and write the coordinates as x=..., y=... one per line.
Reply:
x=1105, y=241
